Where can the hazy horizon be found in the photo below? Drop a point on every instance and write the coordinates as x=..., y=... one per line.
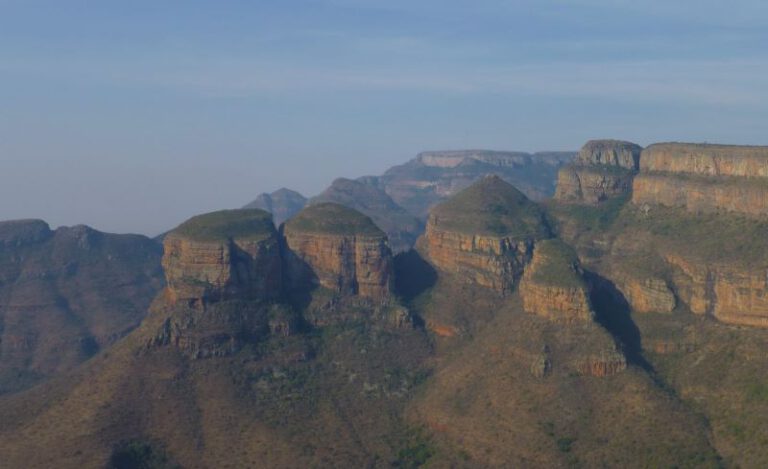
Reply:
x=133, y=116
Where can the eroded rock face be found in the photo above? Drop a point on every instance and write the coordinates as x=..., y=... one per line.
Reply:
x=485, y=234
x=552, y=286
x=209, y=257
x=616, y=153
x=730, y=293
x=646, y=294
x=339, y=249
x=602, y=170
x=606, y=363
x=704, y=178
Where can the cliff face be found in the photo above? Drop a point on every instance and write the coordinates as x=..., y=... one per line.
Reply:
x=552, y=286
x=485, y=234
x=602, y=170
x=704, y=178
x=205, y=259
x=339, y=249
x=731, y=293
x=65, y=294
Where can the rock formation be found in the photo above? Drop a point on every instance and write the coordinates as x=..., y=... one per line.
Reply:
x=401, y=227
x=226, y=254
x=552, y=286
x=282, y=204
x=704, y=178
x=340, y=249
x=485, y=234
x=603, y=169
x=221, y=269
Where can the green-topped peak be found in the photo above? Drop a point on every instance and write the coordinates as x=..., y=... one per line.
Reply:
x=491, y=207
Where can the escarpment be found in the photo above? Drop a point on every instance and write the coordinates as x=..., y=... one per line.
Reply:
x=704, y=178
x=339, y=249
x=485, y=234
x=603, y=169
x=553, y=287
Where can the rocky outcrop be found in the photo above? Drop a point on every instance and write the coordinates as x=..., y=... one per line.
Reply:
x=731, y=293
x=603, y=169
x=704, y=178
x=220, y=255
x=401, y=227
x=646, y=294
x=552, y=286
x=606, y=363
x=613, y=153
x=282, y=204
x=340, y=249
x=485, y=234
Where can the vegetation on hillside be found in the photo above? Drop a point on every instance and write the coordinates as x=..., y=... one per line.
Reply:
x=330, y=218
x=225, y=224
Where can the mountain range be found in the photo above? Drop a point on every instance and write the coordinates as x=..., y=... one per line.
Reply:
x=606, y=308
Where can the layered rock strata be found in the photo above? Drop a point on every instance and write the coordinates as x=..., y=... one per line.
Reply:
x=552, y=286
x=339, y=249
x=485, y=234
x=704, y=178
x=602, y=170
x=220, y=255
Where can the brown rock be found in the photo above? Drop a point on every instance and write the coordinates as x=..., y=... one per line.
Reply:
x=485, y=234
x=615, y=153
x=646, y=294
x=706, y=159
x=339, y=249
x=227, y=254
x=607, y=363
x=591, y=184
x=552, y=286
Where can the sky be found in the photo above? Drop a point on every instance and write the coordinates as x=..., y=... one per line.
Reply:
x=131, y=116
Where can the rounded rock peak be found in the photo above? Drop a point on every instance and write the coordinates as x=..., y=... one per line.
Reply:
x=227, y=224
x=23, y=231
x=492, y=207
x=610, y=152
x=330, y=218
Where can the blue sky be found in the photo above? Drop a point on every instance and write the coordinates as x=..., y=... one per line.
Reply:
x=133, y=115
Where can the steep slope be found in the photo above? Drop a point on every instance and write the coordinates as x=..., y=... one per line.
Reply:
x=401, y=227
x=282, y=204
x=66, y=294
x=485, y=234
x=434, y=176
x=339, y=249
x=604, y=169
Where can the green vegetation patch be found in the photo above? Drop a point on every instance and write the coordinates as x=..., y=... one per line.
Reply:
x=492, y=207
x=329, y=218
x=559, y=265
x=226, y=224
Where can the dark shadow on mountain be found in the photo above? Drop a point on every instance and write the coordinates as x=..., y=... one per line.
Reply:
x=413, y=275
x=613, y=313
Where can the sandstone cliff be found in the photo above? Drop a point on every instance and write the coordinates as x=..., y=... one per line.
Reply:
x=226, y=254
x=485, y=234
x=552, y=286
x=704, y=178
x=603, y=169
x=340, y=249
